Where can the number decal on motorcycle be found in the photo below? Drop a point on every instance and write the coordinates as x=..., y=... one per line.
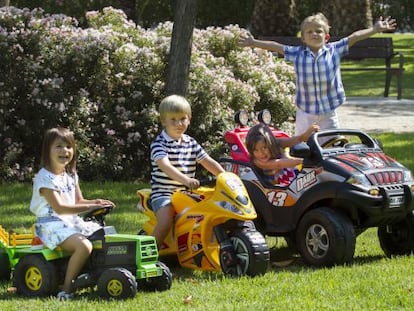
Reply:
x=277, y=198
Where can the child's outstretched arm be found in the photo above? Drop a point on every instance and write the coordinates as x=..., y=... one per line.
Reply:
x=294, y=140
x=93, y=203
x=277, y=164
x=59, y=205
x=249, y=41
x=382, y=24
x=212, y=165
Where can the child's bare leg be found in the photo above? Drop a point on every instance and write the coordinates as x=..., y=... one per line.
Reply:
x=81, y=248
x=164, y=223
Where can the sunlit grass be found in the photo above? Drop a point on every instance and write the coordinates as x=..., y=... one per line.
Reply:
x=371, y=83
x=372, y=282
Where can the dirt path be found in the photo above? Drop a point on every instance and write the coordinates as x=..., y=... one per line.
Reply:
x=377, y=115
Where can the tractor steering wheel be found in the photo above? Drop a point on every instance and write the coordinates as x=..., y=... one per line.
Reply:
x=97, y=213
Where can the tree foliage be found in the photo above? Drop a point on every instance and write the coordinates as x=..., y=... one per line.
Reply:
x=105, y=82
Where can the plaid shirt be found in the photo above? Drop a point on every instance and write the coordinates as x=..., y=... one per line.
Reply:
x=319, y=87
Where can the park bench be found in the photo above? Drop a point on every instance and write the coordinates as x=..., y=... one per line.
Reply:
x=371, y=48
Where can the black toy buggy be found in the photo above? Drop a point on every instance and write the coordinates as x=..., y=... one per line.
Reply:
x=346, y=185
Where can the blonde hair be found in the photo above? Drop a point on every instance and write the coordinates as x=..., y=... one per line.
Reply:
x=317, y=18
x=174, y=104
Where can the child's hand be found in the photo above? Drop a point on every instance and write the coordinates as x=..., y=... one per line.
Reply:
x=103, y=202
x=311, y=129
x=314, y=128
x=246, y=40
x=192, y=183
x=385, y=24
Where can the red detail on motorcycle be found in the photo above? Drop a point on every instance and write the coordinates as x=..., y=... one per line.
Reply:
x=182, y=243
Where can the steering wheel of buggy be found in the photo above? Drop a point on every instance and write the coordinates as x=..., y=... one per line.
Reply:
x=337, y=141
x=96, y=212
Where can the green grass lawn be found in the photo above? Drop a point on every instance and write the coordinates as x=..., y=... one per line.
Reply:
x=371, y=83
x=372, y=282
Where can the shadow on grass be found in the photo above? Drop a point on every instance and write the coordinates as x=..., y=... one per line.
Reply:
x=286, y=259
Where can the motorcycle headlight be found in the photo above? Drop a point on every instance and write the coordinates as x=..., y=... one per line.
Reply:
x=359, y=179
x=228, y=206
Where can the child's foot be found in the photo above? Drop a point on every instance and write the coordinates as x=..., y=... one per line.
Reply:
x=64, y=295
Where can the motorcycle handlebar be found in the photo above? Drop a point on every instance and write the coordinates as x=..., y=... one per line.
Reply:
x=208, y=181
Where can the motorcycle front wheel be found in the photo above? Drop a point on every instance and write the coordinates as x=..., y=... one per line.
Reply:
x=248, y=254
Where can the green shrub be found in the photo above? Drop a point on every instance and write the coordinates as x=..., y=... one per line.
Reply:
x=105, y=82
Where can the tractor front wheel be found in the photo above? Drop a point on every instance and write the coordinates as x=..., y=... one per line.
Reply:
x=158, y=283
x=117, y=283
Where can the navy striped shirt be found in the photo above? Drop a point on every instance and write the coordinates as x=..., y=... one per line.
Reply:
x=184, y=156
x=319, y=87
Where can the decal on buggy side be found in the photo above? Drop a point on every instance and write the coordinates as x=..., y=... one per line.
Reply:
x=277, y=198
x=305, y=181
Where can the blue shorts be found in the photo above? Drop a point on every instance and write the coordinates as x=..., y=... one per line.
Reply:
x=159, y=203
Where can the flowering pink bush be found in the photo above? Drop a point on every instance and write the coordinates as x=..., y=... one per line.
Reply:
x=105, y=82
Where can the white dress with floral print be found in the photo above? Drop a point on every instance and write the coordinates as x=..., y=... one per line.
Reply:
x=53, y=228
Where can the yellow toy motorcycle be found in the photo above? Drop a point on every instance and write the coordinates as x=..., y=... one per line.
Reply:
x=213, y=228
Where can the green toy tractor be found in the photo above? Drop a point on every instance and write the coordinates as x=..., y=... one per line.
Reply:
x=119, y=265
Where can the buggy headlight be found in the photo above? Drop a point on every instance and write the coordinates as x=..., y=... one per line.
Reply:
x=408, y=176
x=358, y=179
x=241, y=117
x=264, y=116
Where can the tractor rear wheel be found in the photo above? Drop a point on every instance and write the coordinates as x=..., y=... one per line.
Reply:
x=34, y=276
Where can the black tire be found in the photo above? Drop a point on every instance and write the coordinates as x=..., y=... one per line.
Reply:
x=397, y=239
x=34, y=276
x=159, y=283
x=325, y=238
x=251, y=254
x=291, y=243
x=117, y=283
x=5, y=269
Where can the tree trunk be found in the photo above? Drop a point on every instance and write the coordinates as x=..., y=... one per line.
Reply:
x=180, y=51
x=4, y=3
